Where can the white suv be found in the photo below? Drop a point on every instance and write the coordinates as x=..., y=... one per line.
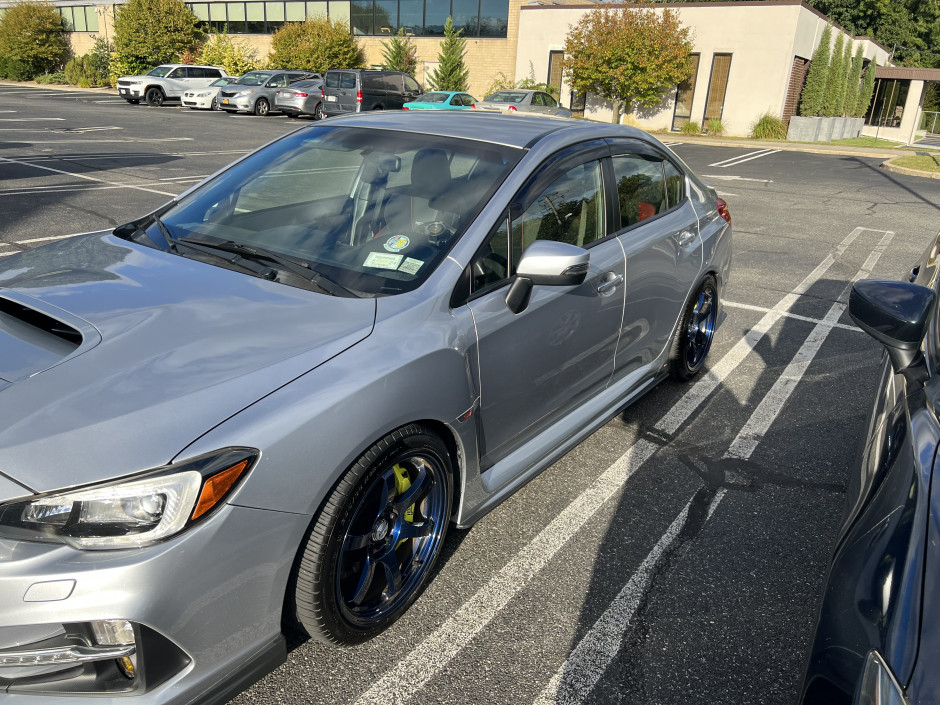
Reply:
x=167, y=81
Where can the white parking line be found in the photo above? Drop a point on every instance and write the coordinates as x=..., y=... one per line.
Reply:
x=137, y=155
x=46, y=239
x=33, y=119
x=733, y=161
x=575, y=679
x=730, y=177
x=123, y=140
x=442, y=645
x=794, y=316
x=86, y=177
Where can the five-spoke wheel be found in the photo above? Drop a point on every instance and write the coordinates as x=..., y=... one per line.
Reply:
x=374, y=543
x=154, y=97
x=695, y=334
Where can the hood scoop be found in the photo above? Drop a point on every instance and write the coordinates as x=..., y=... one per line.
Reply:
x=35, y=337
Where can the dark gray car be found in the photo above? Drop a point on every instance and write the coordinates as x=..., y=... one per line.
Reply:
x=262, y=406
x=255, y=91
x=301, y=98
x=362, y=90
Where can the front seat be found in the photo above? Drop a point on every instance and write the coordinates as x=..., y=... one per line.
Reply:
x=410, y=207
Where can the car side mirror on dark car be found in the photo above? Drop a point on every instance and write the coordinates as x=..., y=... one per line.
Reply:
x=895, y=313
x=549, y=263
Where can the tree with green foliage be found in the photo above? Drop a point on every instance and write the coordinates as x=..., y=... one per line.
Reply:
x=316, y=44
x=400, y=53
x=628, y=55
x=844, y=79
x=852, y=83
x=834, y=81
x=814, y=91
x=220, y=50
x=452, y=73
x=33, y=40
x=152, y=32
x=868, y=90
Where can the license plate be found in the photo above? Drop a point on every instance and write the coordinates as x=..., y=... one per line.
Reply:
x=123, y=91
x=331, y=99
x=225, y=101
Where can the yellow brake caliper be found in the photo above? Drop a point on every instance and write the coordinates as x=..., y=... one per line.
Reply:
x=402, y=483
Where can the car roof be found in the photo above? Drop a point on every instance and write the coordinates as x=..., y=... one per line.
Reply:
x=197, y=66
x=511, y=130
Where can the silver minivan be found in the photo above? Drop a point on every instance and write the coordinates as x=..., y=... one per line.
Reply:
x=360, y=90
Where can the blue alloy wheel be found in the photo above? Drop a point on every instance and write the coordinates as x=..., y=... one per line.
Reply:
x=376, y=539
x=695, y=333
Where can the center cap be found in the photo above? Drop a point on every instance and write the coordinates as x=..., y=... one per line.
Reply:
x=380, y=530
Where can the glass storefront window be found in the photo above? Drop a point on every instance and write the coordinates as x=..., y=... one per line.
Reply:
x=887, y=108
x=295, y=12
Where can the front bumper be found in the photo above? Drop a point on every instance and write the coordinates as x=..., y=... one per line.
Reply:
x=194, y=102
x=236, y=104
x=205, y=608
x=131, y=92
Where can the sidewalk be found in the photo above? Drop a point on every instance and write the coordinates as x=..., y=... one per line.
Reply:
x=56, y=87
x=743, y=142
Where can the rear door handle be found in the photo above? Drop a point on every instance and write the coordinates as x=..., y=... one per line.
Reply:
x=611, y=282
x=685, y=237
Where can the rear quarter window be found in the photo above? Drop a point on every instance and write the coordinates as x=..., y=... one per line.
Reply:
x=373, y=82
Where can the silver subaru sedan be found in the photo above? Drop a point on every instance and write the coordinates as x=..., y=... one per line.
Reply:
x=261, y=406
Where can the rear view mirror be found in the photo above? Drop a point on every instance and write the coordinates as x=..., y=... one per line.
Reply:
x=894, y=313
x=377, y=167
x=548, y=263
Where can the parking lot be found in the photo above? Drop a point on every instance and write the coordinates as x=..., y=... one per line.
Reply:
x=676, y=555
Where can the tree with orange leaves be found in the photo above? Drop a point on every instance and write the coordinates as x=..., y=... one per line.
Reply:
x=628, y=55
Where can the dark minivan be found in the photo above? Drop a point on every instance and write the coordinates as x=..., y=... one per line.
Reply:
x=358, y=90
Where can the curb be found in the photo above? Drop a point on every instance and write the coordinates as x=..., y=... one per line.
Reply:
x=888, y=166
x=782, y=146
x=57, y=87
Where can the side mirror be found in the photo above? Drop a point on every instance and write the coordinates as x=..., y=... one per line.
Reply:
x=549, y=263
x=895, y=313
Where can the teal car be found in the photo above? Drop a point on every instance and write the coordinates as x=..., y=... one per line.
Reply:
x=442, y=100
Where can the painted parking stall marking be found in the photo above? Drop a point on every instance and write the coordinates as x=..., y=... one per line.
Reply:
x=86, y=177
x=440, y=647
x=740, y=159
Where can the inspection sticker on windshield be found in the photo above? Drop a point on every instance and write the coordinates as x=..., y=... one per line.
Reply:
x=410, y=266
x=397, y=243
x=380, y=260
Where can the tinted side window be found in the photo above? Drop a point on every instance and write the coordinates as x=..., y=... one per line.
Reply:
x=674, y=183
x=393, y=82
x=537, y=99
x=332, y=80
x=549, y=101
x=177, y=73
x=411, y=84
x=640, y=187
x=347, y=80
x=212, y=73
x=279, y=81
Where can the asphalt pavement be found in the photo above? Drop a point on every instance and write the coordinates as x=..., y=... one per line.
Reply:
x=675, y=556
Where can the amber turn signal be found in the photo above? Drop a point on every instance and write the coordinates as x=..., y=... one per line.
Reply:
x=217, y=486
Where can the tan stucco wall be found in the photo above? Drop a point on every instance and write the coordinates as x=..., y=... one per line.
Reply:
x=762, y=39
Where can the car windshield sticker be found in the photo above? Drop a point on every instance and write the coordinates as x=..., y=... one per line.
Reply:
x=397, y=243
x=410, y=266
x=380, y=260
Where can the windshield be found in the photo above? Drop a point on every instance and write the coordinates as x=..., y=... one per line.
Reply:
x=506, y=97
x=161, y=71
x=372, y=210
x=221, y=82
x=433, y=98
x=253, y=79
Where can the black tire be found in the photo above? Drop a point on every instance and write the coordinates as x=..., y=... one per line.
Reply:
x=133, y=101
x=695, y=333
x=378, y=107
x=215, y=104
x=154, y=97
x=262, y=107
x=318, y=112
x=356, y=575
x=291, y=115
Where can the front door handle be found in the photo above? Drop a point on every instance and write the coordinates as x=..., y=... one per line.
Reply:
x=611, y=282
x=685, y=238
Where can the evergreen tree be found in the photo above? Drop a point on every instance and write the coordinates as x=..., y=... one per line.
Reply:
x=834, y=81
x=868, y=90
x=452, y=74
x=844, y=82
x=400, y=54
x=814, y=92
x=852, y=83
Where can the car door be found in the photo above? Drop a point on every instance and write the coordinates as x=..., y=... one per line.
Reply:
x=176, y=82
x=279, y=80
x=663, y=248
x=535, y=365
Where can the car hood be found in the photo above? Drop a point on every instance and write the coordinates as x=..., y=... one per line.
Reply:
x=127, y=354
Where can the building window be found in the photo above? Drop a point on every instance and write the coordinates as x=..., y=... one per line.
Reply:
x=717, y=87
x=887, y=108
x=684, y=91
x=80, y=18
x=556, y=60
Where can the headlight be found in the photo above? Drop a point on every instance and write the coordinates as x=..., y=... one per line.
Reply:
x=203, y=95
x=878, y=685
x=130, y=513
x=135, y=83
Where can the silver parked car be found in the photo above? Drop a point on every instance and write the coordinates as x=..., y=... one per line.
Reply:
x=523, y=101
x=301, y=98
x=264, y=403
x=254, y=92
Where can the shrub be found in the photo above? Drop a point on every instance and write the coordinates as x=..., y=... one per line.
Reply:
x=813, y=96
x=769, y=127
x=220, y=50
x=151, y=32
x=530, y=84
x=316, y=45
x=33, y=40
x=101, y=61
x=74, y=71
x=714, y=127
x=400, y=53
x=92, y=68
x=57, y=77
x=500, y=82
x=690, y=128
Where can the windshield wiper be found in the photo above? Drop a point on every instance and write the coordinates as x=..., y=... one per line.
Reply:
x=294, y=265
x=232, y=258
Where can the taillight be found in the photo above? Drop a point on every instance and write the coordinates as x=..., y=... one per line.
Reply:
x=723, y=210
x=358, y=96
x=405, y=107
x=473, y=105
x=300, y=95
x=512, y=108
x=322, y=94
